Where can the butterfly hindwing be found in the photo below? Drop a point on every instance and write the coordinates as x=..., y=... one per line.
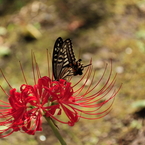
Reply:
x=77, y=66
x=70, y=53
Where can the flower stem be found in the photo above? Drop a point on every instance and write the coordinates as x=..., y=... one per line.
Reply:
x=56, y=132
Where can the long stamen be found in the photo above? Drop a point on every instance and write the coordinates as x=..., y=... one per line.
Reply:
x=23, y=73
x=5, y=79
x=101, y=80
x=33, y=69
x=83, y=76
x=87, y=78
x=48, y=63
x=37, y=67
x=3, y=91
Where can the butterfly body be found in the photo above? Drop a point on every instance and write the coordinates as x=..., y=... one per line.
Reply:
x=64, y=62
x=77, y=67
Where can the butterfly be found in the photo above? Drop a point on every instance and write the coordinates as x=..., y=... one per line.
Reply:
x=64, y=63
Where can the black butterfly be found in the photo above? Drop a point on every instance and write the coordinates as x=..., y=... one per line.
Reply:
x=63, y=60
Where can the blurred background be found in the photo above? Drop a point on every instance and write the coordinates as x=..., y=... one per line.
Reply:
x=99, y=29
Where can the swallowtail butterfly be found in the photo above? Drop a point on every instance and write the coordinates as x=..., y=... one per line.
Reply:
x=64, y=63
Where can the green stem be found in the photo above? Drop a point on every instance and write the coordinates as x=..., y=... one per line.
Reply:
x=56, y=132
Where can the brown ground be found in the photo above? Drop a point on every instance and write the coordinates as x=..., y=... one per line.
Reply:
x=101, y=30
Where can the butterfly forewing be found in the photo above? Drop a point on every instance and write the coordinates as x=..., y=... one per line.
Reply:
x=56, y=51
x=60, y=61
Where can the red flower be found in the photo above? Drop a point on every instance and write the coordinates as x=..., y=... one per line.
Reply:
x=25, y=108
x=62, y=100
x=58, y=100
x=85, y=102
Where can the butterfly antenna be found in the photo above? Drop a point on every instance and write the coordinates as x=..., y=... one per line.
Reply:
x=89, y=64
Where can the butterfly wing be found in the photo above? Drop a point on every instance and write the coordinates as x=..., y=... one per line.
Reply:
x=60, y=63
x=64, y=62
x=77, y=66
x=70, y=53
x=56, y=51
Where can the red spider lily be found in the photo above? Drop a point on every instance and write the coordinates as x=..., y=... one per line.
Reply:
x=25, y=109
x=81, y=103
x=58, y=100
